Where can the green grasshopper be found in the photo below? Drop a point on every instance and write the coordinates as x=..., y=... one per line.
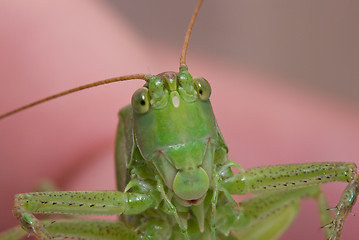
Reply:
x=175, y=180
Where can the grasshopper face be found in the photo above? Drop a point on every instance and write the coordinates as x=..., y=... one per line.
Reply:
x=176, y=131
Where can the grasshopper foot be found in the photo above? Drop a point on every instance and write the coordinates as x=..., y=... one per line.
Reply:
x=28, y=221
x=344, y=207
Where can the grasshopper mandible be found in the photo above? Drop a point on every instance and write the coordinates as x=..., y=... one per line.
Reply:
x=176, y=195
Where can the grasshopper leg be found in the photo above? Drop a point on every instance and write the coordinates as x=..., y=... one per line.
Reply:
x=268, y=215
x=80, y=229
x=294, y=176
x=172, y=208
x=92, y=229
x=77, y=202
x=344, y=207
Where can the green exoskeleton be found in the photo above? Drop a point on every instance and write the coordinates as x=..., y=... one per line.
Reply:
x=175, y=180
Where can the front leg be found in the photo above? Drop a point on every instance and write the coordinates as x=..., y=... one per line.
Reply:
x=293, y=176
x=75, y=202
x=344, y=206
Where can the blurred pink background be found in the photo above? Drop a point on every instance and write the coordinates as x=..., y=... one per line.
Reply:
x=51, y=46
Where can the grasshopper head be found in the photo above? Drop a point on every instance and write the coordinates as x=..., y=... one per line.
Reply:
x=176, y=131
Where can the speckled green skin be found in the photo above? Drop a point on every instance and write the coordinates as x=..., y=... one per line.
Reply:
x=165, y=156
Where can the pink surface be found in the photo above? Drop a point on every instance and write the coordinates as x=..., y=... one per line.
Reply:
x=71, y=140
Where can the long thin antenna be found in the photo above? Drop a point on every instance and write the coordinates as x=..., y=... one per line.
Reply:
x=90, y=85
x=188, y=34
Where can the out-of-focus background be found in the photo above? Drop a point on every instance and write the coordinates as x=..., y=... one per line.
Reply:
x=283, y=75
x=312, y=44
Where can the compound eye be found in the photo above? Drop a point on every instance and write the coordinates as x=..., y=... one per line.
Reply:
x=203, y=88
x=140, y=100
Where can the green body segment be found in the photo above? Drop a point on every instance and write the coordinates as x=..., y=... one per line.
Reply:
x=124, y=147
x=179, y=139
x=172, y=129
x=177, y=135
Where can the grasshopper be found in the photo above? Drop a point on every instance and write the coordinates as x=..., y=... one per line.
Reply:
x=179, y=185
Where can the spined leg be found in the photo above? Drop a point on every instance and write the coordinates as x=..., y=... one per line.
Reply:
x=81, y=229
x=89, y=203
x=92, y=229
x=281, y=177
x=344, y=207
x=267, y=216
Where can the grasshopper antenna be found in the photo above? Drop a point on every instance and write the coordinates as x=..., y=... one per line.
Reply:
x=90, y=85
x=188, y=34
x=116, y=79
